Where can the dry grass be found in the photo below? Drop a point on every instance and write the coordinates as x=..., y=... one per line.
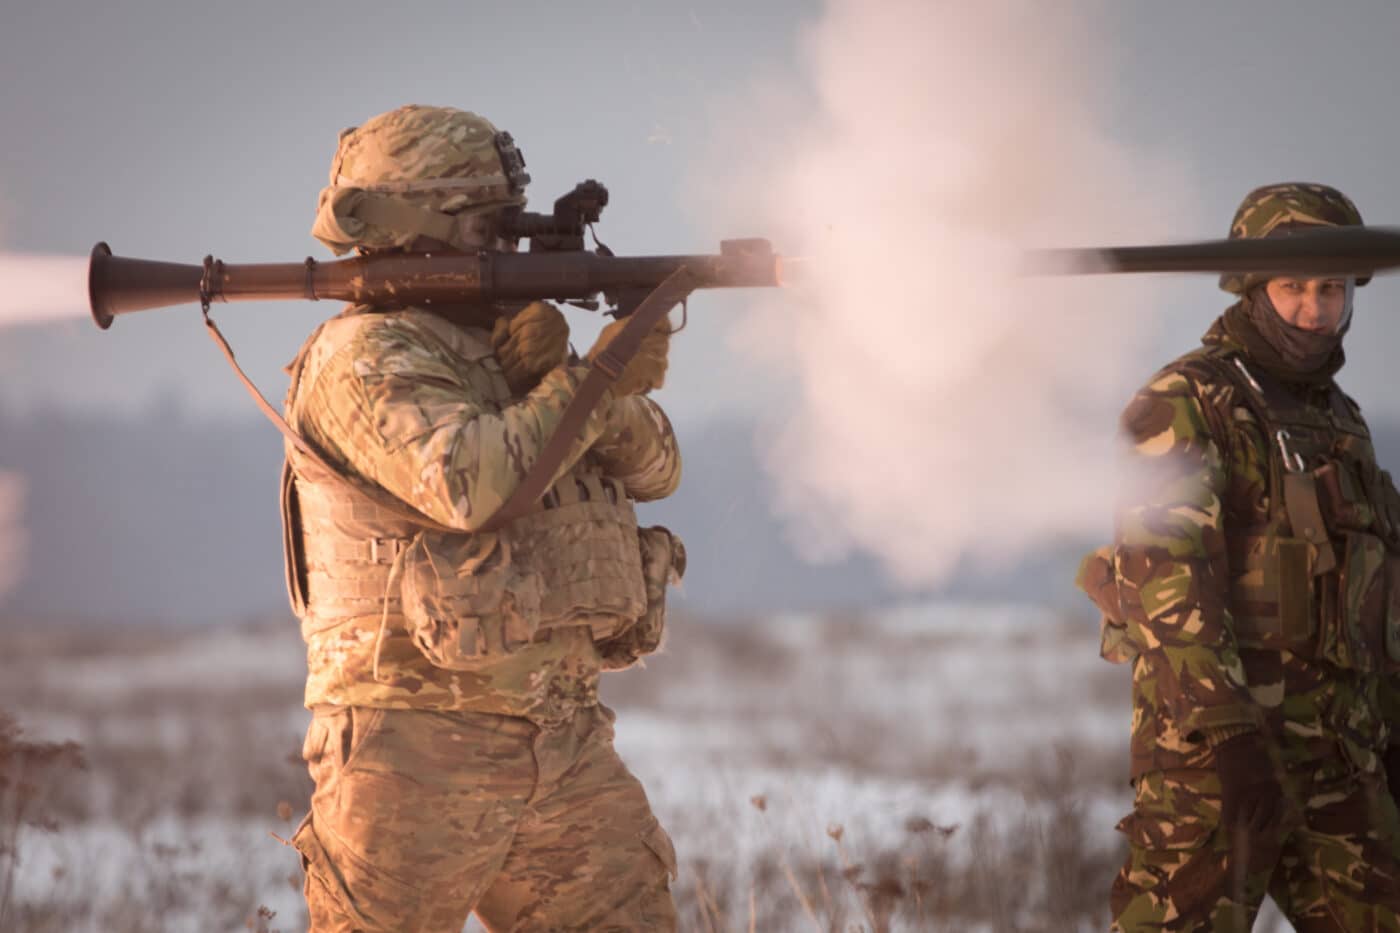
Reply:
x=29, y=772
x=166, y=828
x=157, y=885
x=1036, y=871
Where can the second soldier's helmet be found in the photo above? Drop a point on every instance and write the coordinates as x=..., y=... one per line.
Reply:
x=1283, y=210
x=417, y=171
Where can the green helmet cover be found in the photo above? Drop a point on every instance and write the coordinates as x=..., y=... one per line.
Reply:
x=1283, y=210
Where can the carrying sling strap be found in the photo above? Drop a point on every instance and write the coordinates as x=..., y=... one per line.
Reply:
x=603, y=371
x=382, y=499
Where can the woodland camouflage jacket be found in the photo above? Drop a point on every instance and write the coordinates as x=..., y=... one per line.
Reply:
x=1198, y=533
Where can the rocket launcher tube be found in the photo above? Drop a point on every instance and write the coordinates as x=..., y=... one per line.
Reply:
x=120, y=285
x=1333, y=251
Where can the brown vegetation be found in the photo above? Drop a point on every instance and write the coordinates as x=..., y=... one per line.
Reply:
x=187, y=775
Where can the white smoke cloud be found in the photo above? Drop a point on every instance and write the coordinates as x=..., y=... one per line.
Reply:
x=948, y=410
x=13, y=538
x=35, y=288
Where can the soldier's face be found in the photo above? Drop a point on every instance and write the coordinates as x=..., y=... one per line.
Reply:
x=1317, y=305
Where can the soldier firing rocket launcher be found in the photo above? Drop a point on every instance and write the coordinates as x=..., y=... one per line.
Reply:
x=558, y=267
x=642, y=289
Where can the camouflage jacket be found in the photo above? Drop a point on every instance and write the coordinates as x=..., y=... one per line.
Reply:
x=1199, y=481
x=419, y=408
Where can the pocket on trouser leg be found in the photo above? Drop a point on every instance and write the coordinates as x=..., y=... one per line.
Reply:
x=345, y=894
x=1186, y=883
x=1175, y=868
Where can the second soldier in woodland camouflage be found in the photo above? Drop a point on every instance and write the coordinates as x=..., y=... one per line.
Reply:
x=461, y=757
x=1254, y=586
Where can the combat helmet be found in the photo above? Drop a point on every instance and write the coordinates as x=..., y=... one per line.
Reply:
x=417, y=171
x=1283, y=210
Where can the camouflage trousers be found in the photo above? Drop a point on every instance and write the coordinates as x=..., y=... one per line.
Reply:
x=420, y=818
x=1334, y=865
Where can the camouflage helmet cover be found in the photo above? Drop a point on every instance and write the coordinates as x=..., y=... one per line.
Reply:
x=417, y=171
x=1283, y=210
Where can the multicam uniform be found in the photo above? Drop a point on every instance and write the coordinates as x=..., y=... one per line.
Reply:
x=461, y=758
x=1253, y=585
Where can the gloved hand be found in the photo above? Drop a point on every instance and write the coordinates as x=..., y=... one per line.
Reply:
x=1251, y=795
x=530, y=344
x=1391, y=760
x=645, y=371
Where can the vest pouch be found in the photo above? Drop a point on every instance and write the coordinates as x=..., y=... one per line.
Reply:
x=583, y=547
x=1344, y=504
x=465, y=602
x=1354, y=635
x=663, y=564
x=1271, y=591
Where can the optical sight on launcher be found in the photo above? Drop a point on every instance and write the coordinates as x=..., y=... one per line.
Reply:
x=563, y=229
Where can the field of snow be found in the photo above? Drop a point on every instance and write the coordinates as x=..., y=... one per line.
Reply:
x=933, y=767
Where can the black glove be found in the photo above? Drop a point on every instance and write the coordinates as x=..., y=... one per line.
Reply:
x=1250, y=792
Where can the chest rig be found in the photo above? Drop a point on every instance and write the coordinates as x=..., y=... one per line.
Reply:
x=1316, y=569
x=467, y=600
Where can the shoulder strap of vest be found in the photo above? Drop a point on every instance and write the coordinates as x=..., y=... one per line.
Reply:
x=603, y=371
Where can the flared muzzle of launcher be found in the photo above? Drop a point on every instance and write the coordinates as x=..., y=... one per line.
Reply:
x=118, y=285
x=97, y=261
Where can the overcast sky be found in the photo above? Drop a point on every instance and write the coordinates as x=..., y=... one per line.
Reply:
x=175, y=129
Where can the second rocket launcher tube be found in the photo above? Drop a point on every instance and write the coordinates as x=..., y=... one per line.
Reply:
x=1326, y=251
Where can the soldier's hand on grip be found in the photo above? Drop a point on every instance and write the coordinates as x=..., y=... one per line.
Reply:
x=530, y=344
x=1251, y=796
x=645, y=371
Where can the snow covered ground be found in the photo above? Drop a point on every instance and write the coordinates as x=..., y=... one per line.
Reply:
x=932, y=767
